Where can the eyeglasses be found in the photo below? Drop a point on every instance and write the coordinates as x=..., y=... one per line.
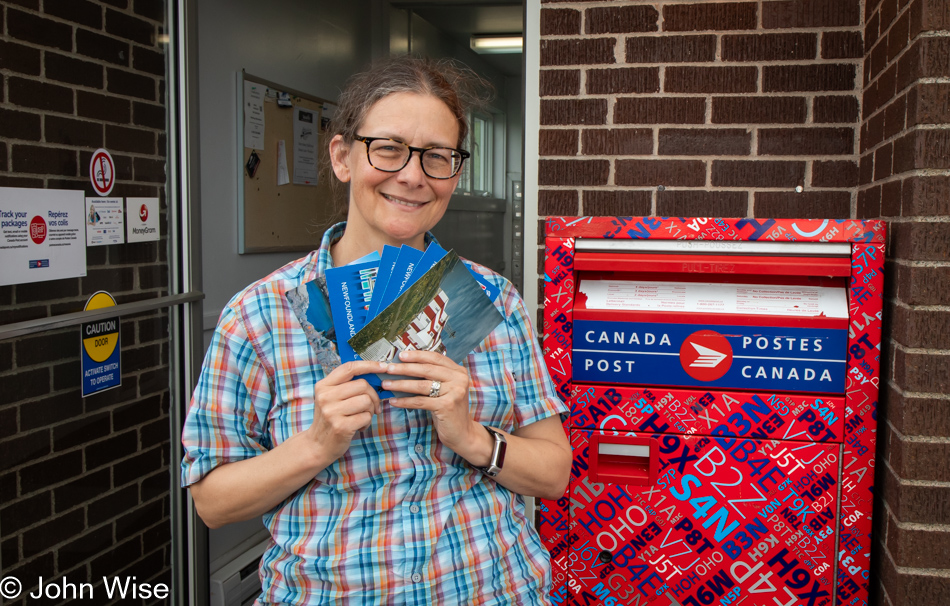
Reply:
x=391, y=156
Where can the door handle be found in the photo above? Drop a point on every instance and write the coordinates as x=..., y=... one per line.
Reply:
x=628, y=460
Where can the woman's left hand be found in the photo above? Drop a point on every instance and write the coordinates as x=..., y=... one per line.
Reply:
x=451, y=416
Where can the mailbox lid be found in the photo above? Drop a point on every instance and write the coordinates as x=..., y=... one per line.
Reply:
x=720, y=516
x=758, y=415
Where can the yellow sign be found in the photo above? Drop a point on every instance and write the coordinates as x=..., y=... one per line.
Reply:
x=100, y=338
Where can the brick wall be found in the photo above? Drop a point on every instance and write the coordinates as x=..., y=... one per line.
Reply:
x=84, y=483
x=905, y=179
x=679, y=108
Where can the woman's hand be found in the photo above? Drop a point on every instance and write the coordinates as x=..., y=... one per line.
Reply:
x=451, y=416
x=342, y=405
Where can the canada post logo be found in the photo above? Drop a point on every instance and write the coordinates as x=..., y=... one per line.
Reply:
x=792, y=359
x=706, y=355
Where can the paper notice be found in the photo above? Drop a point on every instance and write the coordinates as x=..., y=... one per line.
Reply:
x=305, y=147
x=105, y=221
x=283, y=177
x=254, y=115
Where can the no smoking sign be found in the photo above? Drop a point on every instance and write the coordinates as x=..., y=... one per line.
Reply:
x=102, y=172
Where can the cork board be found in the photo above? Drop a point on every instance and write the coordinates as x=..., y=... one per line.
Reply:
x=281, y=218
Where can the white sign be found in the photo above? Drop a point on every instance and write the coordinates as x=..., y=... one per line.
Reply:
x=105, y=221
x=254, y=115
x=102, y=172
x=41, y=235
x=142, y=223
x=306, y=134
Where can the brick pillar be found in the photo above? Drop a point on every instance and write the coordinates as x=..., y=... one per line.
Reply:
x=84, y=482
x=905, y=179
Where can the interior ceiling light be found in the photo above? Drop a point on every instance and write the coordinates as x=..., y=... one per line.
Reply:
x=497, y=44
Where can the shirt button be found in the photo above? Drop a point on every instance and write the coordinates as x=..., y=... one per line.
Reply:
x=414, y=509
x=419, y=448
x=416, y=578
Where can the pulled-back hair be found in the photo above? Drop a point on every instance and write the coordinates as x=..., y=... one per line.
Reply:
x=449, y=81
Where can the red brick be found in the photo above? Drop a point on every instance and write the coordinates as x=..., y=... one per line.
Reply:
x=19, y=58
x=19, y=125
x=130, y=84
x=929, y=16
x=837, y=108
x=588, y=51
x=888, y=12
x=822, y=77
x=806, y=141
x=811, y=13
x=922, y=149
x=698, y=203
x=926, y=58
x=769, y=47
x=146, y=60
x=875, y=133
x=705, y=142
x=40, y=95
x=891, y=199
x=120, y=138
x=928, y=104
x=757, y=173
x=926, y=197
x=560, y=82
x=654, y=110
x=73, y=71
x=712, y=16
x=921, y=241
x=872, y=31
x=711, y=79
x=621, y=19
x=151, y=9
x=103, y=107
x=122, y=25
x=557, y=142
x=44, y=160
x=573, y=172
x=834, y=173
x=560, y=21
x=842, y=45
x=671, y=49
x=146, y=114
x=669, y=173
x=106, y=48
x=617, y=141
x=39, y=30
x=573, y=111
x=883, y=165
x=806, y=205
x=869, y=204
x=924, y=286
x=894, y=117
x=866, y=169
x=759, y=110
x=925, y=373
x=623, y=80
x=78, y=11
x=622, y=203
x=897, y=37
x=67, y=131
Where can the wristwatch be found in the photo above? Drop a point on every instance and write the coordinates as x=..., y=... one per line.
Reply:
x=497, y=454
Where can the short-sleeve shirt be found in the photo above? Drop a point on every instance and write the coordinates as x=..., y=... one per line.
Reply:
x=399, y=518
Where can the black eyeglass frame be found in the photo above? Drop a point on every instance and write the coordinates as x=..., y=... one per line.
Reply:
x=367, y=140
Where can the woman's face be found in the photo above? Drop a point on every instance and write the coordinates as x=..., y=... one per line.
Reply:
x=396, y=208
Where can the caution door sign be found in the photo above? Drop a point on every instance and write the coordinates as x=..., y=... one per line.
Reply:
x=101, y=353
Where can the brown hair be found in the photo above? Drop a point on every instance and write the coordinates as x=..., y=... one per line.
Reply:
x=453, y=83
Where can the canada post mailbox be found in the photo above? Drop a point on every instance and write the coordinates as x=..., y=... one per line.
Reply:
x=723, y=382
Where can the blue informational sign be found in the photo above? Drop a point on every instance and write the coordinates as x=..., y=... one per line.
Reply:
x=711, y=356
x=101, y=356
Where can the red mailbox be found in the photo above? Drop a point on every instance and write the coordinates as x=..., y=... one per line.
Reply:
x=723, y=381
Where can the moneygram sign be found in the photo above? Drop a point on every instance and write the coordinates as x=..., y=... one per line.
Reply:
x=727, y=357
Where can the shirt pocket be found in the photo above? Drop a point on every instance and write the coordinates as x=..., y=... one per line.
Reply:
x=492, y=388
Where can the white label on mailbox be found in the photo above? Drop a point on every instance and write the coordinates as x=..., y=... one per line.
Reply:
x=626, y=450
x=755, y=299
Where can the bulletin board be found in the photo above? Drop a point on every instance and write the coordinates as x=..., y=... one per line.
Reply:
x=289, y=217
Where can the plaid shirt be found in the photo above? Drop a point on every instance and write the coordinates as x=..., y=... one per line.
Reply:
x=399, y=518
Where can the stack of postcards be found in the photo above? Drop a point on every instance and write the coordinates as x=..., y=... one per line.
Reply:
x=380, y=305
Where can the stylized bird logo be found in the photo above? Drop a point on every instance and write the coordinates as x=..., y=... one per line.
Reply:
x=708, y=358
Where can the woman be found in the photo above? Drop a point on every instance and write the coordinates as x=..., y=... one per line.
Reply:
x=401, y=501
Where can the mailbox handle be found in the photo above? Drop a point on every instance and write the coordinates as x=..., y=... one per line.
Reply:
x=628, y=460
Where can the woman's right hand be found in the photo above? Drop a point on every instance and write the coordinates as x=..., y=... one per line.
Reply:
x=342, y=405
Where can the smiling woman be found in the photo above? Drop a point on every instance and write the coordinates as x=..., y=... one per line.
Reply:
x=415, y=498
